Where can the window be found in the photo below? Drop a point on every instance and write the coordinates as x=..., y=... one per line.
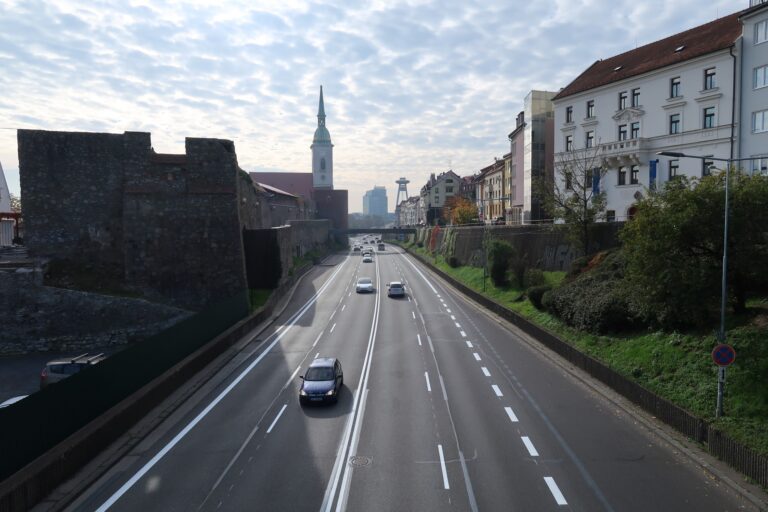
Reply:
x=568, y=114
x=448, y=190
x=590, y=140
x=622, y=100
x=569, y=142
x=674, y=168
x=568, y=180
x=760, y=121
x=760, y=165
x=635, y=97
x=449, y=180
x=591, y=108
x=610, y=215
x=709, y=117
x=706, y=167
x=760, y=77
x=709, y=79
x=674, y=124
x=322, y=164
x=634, y=178
x=622, y=175
x=674, y=87
x=634, y=131
x=588, y=179
x=622, y=132
x=761, y=32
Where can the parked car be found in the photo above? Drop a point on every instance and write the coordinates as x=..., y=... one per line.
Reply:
x=322, y=382
x=364, y=285
x=395, y=289
x=60, y=369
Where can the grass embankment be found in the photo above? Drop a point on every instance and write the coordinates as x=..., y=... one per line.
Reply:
x=676, y=366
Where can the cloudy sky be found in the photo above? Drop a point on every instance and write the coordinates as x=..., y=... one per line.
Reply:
x=411, y=87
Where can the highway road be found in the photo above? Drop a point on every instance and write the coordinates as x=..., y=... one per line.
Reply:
x=443, y=408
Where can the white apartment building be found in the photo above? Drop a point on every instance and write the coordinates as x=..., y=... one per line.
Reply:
x=435, y=192
x=676, y=94
x=409, y=211
x=753, y=132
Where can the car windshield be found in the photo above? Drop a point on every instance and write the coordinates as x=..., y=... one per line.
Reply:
x=395, y=285
x=319, y=373
x=364, y=280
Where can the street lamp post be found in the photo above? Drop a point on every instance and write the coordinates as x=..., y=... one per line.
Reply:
x=724, y=281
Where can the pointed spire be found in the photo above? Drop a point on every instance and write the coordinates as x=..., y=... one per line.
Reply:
x=321, y=110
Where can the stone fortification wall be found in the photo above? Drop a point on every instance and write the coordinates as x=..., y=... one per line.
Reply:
x=545, y=247
x=309, y=235
x=41, y=318
x=164, y=225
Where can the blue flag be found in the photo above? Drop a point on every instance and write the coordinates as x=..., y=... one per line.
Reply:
x=652, y=184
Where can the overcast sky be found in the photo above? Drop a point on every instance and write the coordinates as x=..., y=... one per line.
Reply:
x=411, y=87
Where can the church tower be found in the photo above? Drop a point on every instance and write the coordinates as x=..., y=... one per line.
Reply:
x=322, y=151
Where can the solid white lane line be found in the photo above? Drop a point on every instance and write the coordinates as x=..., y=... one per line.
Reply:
x=343, y=307
x=486, y=372
x=469, y=343
x=317, y=339
x=463, y=334
x=497, y=390
x=477, y=356
x=178, y=437
x=528, y=444
x=511, y=414
x=555, y=490
x=418, y=337
x=333, y=326
x=414, y=315
x=442, y=386
x=453, y=318
x=426, y=376
x=442, y=467
x=282, y=410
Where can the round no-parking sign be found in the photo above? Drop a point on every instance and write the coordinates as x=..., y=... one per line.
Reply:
x=723, y=355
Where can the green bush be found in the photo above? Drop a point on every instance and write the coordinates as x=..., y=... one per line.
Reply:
x=536, y=293
x=500, y=253
x=577, y=266
x=534, y=277
x=419, y=244
x=453, y=262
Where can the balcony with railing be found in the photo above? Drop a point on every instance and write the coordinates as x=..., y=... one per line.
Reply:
x=622, y=152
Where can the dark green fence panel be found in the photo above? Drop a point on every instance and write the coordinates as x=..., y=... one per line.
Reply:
x=38, y=423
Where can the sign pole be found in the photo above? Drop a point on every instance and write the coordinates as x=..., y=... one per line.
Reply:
x=720, y=390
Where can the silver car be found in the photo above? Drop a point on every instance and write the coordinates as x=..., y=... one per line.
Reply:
x=395, y=289
x=364, y=285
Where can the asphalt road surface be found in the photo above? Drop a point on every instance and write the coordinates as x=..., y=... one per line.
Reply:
x=443, y=408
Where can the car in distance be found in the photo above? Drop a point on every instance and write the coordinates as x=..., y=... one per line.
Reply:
x=322, y=382
x=364, y=285
x=381, y=246
x=367, y=259
x=59, y=369
x=356, y=248
x=395, y=289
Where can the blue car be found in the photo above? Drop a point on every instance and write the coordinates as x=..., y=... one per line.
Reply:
x=322, y=382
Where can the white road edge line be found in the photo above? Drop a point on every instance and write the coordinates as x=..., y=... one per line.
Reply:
x=511, y=415
x=442, y=467
x=418, y=337
x=555, y=490
x=497, y=390
x=528, y=444
x=426, y=377
x=486, y=372
x=274, y=422
x=414, y=315
x=178, y=437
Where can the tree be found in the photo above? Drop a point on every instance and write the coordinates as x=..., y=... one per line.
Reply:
x=674, y=247
x=573, y=196
x=15, y=203
x=500, y=253
x=459, y=210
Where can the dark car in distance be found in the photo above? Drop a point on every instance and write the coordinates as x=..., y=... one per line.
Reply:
x=322, y=382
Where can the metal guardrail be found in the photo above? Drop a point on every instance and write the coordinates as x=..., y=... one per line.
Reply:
x=742, y=458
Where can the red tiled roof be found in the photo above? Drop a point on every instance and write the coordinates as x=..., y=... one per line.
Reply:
x=296, y=183
x=702, y=40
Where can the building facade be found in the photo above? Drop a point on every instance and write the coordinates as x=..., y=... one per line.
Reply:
x=494, y=192
x=676, y=94
x=375, y=202
x=434, y=194
x=753, y=122
x=514, y=165
x=538, y=134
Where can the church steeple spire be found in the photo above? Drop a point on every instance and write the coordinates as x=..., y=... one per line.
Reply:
x=321, y=110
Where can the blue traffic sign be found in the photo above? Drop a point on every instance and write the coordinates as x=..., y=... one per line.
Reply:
x=723, y=355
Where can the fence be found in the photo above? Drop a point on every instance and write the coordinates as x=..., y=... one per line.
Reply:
x=744, y=459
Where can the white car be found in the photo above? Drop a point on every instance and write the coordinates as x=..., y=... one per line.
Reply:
x=395, y=289
x=364, y=285
x=367, y=259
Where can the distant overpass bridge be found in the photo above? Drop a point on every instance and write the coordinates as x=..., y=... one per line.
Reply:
x=379, y=231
